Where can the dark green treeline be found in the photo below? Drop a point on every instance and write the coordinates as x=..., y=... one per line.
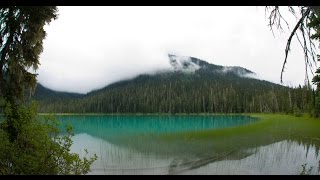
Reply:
x=177, y=92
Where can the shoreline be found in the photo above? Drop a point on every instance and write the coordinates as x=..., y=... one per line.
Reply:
x=165, y=114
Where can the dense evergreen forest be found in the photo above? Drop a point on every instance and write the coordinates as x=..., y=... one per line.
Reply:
x=194, y=86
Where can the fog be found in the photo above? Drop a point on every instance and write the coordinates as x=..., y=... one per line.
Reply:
x=88, y=48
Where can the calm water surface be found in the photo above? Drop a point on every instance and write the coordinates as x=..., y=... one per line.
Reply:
x=134, y=145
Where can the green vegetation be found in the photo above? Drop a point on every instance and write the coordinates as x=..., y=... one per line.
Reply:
x=39, y=148
x=29, y=145
x=315, y=25
x=276, y=125
x=207, y=90
x=270, y=129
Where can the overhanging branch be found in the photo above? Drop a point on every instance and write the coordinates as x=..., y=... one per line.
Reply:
x=289, y=41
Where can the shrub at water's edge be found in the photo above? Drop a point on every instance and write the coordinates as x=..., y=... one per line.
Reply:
x=38, y=148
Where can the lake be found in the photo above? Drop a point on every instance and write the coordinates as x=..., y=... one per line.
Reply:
x=191, y=144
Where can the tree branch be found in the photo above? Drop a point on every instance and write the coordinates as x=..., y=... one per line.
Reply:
x=290, y=38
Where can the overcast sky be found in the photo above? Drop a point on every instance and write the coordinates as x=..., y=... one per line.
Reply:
x=90, y=47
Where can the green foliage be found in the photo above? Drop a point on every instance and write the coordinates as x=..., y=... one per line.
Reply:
x=29, y=145
x=315, y=25
x=297, y=112
x=21, y=34
x=38, y=148
x=316, y=81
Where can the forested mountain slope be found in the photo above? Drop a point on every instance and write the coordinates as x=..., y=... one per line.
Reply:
x=191, y=86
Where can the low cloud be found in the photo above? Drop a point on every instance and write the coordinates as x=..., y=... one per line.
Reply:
x=90, y=47
x=183, y=64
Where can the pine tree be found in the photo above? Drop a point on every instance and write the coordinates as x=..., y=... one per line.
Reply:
x=21, y=34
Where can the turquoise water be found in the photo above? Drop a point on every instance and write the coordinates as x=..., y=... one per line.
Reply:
x=133, y=144
x=126, y=125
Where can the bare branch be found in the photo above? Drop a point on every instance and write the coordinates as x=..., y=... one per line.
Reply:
x=276, y=18
x=306, y=49
x=303, y=47
x=312, y=46
x=304, y=15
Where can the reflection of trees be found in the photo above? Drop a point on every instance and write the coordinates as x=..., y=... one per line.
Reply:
x=180, y=165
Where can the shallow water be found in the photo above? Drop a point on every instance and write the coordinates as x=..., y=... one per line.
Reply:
x=120, y=125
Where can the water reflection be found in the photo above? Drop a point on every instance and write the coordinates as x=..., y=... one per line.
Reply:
x=285, y=157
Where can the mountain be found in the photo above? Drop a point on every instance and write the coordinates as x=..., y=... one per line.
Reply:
x=185, y=67
x=43, y=93
x=191, y=86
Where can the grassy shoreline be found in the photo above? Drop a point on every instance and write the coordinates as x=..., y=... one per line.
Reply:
x=271, y=128
x=279, y=126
